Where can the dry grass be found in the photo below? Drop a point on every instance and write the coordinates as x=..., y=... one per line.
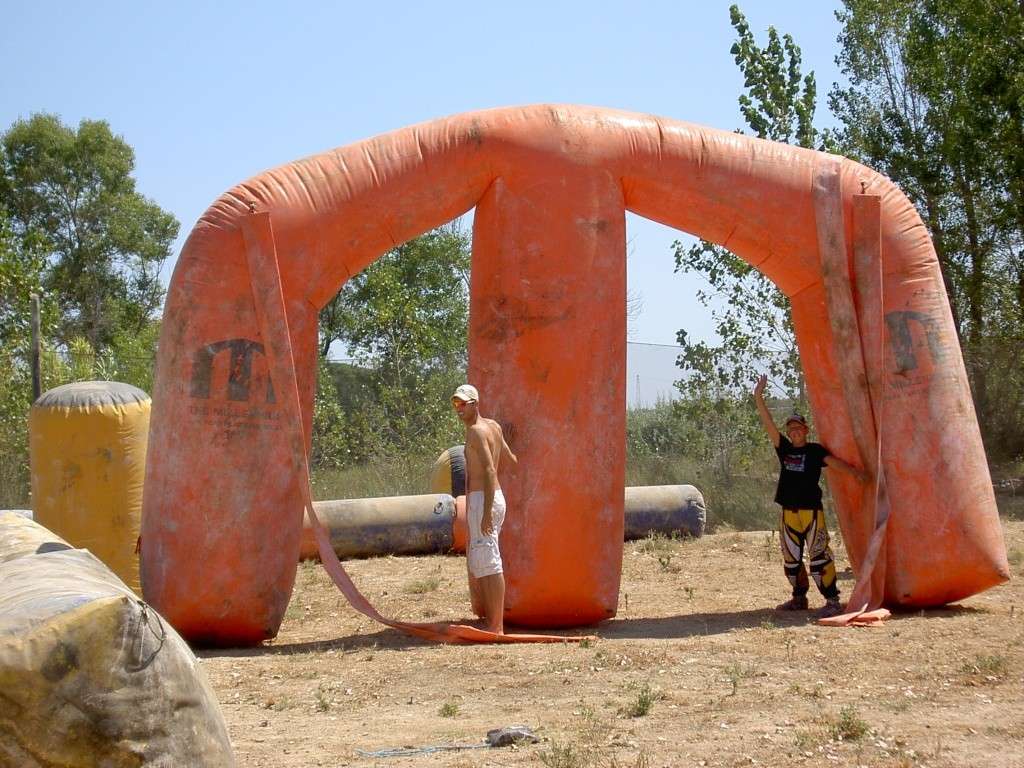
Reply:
x=708, y=677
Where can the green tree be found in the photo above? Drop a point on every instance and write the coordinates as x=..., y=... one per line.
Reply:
x=967, y=60
x=73, y=231
x=21, y=270
x=751, y=315
x=409, y=309
x=935, y=100
x=73, y=192
x=780, y=101
x=884, y=116
x=404, y=317
x=22, y=274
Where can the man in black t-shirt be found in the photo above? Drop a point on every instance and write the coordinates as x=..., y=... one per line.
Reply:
x=802, y=521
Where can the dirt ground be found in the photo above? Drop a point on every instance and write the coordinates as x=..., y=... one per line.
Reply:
x=696, y=670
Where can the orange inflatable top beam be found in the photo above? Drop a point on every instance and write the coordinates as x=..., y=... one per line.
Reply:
x=551, y=184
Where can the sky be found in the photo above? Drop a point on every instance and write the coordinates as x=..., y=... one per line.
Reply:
x=211, y=93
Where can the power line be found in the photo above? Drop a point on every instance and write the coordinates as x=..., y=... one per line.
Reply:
x=652, y=344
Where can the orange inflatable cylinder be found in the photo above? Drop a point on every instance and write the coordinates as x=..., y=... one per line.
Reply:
x=460, y=526
x=551, y=183
x=548, y=357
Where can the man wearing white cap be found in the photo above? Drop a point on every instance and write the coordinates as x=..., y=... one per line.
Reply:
x=485, y=505
x=802, y=522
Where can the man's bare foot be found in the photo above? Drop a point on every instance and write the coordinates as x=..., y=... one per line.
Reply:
x=484, y=625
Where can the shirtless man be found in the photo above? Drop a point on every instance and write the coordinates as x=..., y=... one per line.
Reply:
x=485, y=448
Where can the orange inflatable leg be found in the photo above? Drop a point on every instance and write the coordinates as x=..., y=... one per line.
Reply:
x=547, y=351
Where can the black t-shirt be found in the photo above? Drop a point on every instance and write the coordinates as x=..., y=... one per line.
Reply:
x=799, y=474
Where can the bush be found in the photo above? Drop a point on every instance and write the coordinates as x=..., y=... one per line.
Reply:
x=129, y=359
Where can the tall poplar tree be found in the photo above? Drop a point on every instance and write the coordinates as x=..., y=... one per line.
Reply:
x=753, y=321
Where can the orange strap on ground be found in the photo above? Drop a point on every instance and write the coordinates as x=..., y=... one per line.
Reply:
x=858, y=337
x=265, y=277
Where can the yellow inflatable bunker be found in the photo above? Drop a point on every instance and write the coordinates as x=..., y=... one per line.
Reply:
x=448, y=475
x=88, y=445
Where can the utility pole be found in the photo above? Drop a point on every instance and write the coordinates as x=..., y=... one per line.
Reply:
x=37, y=379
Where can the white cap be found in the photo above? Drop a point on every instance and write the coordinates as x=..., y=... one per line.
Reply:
x=467, y=393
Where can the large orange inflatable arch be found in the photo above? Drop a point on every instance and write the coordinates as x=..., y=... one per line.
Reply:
x=551, y=184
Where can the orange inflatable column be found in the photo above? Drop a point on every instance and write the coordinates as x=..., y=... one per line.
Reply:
x=944, y=539
x=220, y=482
x=547, y=349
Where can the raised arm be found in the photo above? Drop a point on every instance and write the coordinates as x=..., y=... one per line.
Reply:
x=762, y=410
x=477, y=440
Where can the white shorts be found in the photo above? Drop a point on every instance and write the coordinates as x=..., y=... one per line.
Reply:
x=482, y=552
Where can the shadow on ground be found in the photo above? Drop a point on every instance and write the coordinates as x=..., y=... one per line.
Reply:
x=660, y=628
